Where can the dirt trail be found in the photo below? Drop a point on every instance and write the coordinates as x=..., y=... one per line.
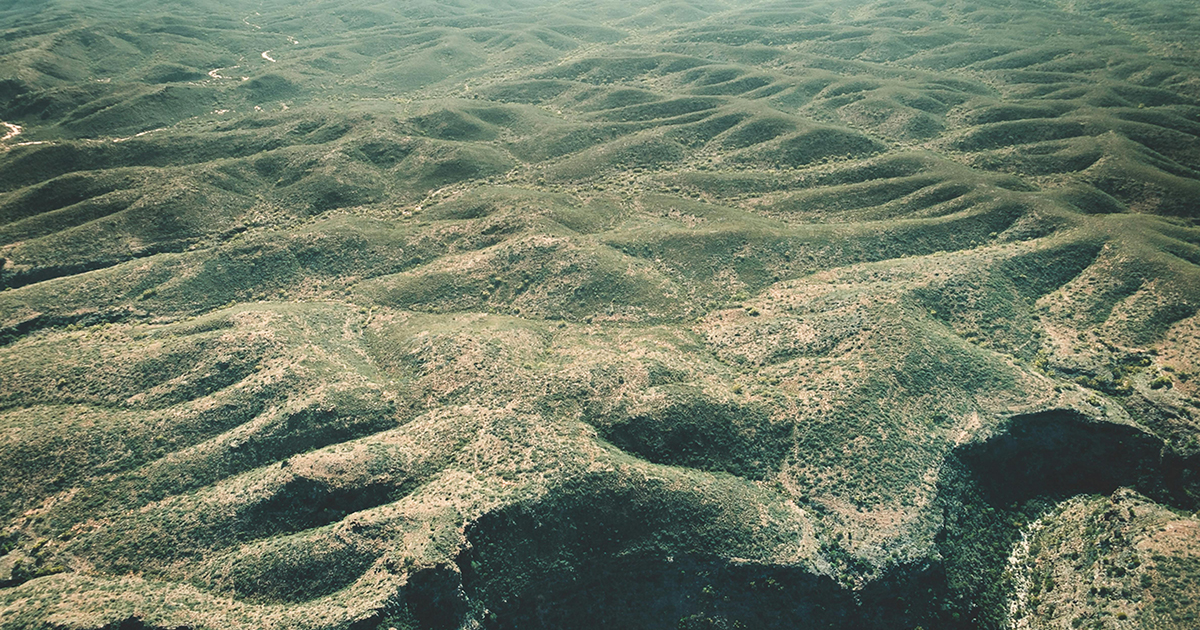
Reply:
x=13, y=131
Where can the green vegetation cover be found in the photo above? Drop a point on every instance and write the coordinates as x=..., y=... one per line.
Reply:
x=533, y=314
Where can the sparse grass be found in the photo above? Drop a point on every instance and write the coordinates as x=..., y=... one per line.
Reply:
x=678, y=314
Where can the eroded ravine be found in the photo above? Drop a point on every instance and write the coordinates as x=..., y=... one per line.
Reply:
x=573, y=562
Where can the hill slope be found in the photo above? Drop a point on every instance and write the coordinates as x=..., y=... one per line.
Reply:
x=701, y=314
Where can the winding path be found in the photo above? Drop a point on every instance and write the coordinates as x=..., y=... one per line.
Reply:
x=13, y=131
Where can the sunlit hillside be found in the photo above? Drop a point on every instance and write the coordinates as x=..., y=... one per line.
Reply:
x=534, y=314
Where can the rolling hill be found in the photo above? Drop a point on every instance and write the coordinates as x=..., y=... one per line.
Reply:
x=707, y=314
